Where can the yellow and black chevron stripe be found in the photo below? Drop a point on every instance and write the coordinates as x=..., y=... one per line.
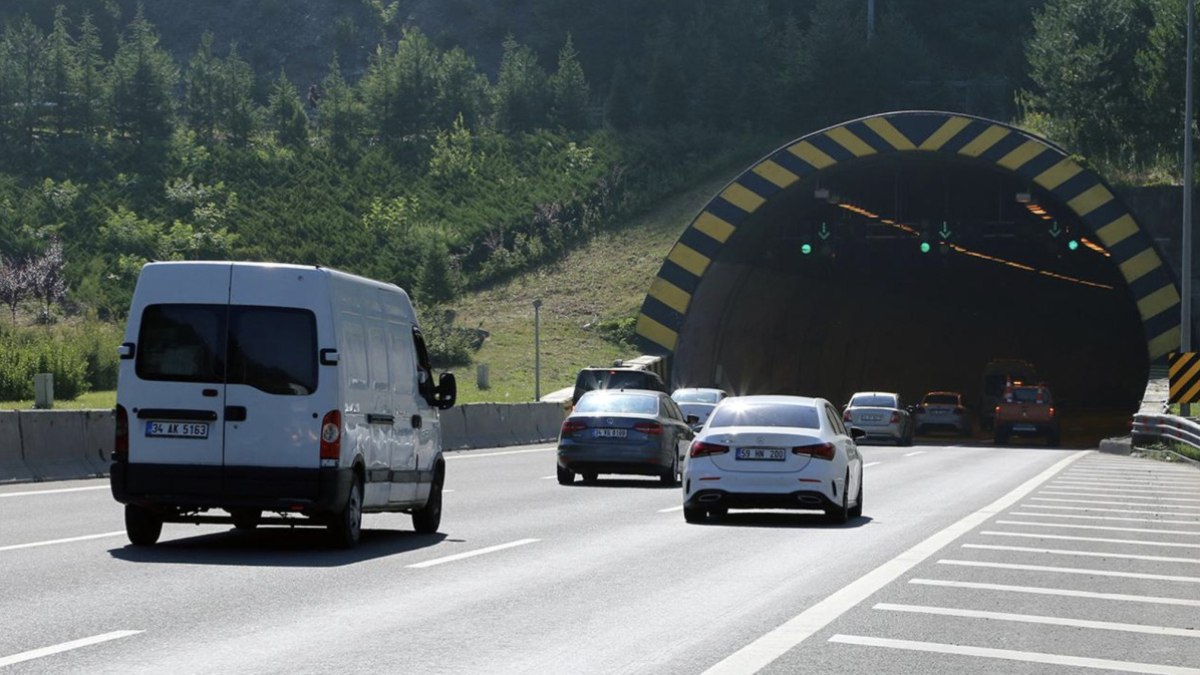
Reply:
x=1032, y=158
x=1184, y=372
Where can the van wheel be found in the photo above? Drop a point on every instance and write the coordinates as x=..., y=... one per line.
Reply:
x=142, y=525
x=246, y=519
x=427, y=519
x=346, y=528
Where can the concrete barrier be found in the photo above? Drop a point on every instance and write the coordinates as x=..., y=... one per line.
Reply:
x=548, y=418
x=454, y=429
x=52, y=442
x=12, y=464
x=99, y=428
x=484, y=428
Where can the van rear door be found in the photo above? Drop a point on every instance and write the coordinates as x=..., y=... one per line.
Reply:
x=174, y=387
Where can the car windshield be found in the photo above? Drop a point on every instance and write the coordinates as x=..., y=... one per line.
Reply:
x=696, y=396
x=765, y=415
x=873, y=401
x=941, y=399
x=606, y=402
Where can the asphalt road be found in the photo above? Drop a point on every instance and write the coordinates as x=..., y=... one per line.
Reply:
x=968, y=559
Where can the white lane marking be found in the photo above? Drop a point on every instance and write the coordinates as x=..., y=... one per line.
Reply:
x=1093, y=509
x=552, y=477
x=1109, y=502
x=673, y=509
x=1109, y=518
x=1100, y=480
x=1039, y=619
x=1070, y=570
x=1187, y=533
x=870, y=464
x=1100, y=540
x=32, y=493
x=473, y=455
x=1085, y=554
x=918, y=452
x=1013, y=655
x=779, y=641
x=1166, y=475
x=1112, y=488
x=68, y=540
x=472, y=554
x=1141, y=494
x=65, y=647
x=1060, y=592
x=446, y=491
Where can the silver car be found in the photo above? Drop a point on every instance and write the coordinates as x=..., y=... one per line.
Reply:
x=882, y=415
x=943, y=410
x=698, y=401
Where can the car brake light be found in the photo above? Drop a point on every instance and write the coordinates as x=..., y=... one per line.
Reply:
x=997, y=410
x=649, y=428
x=818, y=450
x=1052, y=411
x=331, y=436
x=702, y=449
x=571, y=426
x=846, y=416
x=895, y=417
x=121, y=442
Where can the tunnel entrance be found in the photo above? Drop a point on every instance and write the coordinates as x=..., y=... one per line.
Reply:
x=903, y=252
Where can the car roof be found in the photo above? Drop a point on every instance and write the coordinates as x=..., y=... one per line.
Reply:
x=774, y=398
x=943, y=393
x=720, y=391
x=874, y=393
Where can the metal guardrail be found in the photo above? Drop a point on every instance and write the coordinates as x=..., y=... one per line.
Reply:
x=1172, y=427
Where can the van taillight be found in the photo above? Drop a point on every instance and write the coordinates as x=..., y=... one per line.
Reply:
x=818, y=450
x=121, y=442
x=331, y=436
x=702, y=449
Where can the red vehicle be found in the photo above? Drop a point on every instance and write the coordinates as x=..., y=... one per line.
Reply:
x=1026, y=410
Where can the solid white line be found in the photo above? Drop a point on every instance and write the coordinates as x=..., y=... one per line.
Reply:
x=1013, y=655
x=65, y=647
x=1187, y=533
x=673, y=509
x=548, y=477
x=1110, y=518
x=1140, y=494
x=447, y=491
x=1087, y=554
x=1070, y=570
x=869, y=464
x=1109, y=502
x=472, y=554
x=1112, y=487
x=473, y=455
x=1045, y=620
x=1061, y=537
x=54, y=492
x=1060, y=592
x=779, y=641
x=69, y=540
x=1188, y=474
x=1100, y=510
x=918, y=452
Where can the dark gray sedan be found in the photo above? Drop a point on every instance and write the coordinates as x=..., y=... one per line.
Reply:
x=626, y=431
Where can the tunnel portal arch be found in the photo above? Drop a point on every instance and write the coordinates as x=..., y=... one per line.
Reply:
x=930, y=134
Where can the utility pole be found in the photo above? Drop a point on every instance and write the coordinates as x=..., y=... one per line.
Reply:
x=537, y=350
x=1188, y=188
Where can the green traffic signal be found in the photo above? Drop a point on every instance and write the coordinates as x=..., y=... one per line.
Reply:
x=1073, y=244
x=806, y=249
x=924, y=247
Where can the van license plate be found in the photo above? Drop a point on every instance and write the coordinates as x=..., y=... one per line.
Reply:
x=772, y=454
x=177, y=429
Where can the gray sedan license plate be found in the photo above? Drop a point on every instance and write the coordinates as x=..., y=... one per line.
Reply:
x=177, y=429
x=771, y=454
x=872, y=418
x=611, y=433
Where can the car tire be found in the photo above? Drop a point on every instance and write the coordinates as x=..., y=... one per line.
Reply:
x=565, y=476
x=589, y=476
x=670, y=478
x=841, y=513
x=346, y=526
x=246, y=519
x=693, y=514
x=1052, y=439
x=428, y=518
x=718, y=512
x=142, y=525
x=1001, y=436
x=856, y=510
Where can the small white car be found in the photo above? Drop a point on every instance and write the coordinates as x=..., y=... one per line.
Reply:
x=698, y=401
x=774, y=452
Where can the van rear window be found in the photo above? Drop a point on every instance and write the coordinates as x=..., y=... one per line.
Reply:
x=272, y=349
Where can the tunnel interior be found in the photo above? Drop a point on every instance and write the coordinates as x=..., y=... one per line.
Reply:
x=825, y=290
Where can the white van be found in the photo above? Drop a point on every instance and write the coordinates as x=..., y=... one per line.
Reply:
x=299, y=391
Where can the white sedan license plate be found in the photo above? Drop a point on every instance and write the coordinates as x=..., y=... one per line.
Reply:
x=772, y=454
x=612, y=433
x=872, y=418
x=177, y=429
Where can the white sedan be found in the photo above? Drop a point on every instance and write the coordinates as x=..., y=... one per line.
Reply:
x=774, y=452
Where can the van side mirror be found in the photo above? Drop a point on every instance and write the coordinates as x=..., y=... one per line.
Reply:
x=328, y=357
x=126, y=351
x=446, y=393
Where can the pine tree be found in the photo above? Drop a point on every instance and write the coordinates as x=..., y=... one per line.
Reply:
x=340, y=115
x=461, y=91
x=570, y=89
x=202, y=85
x=62, y=80
x=236, y=98
x=619, y=110
x=143, y=82
x=288, y=120
x=522, y=92
x=89, y=105
x=25, y=50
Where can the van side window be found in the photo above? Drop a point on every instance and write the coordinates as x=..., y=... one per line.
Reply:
x=400, y=359
x=273, y=349
x=424, y=369
x=377, y=358
x=356, y=352
x=182, y=343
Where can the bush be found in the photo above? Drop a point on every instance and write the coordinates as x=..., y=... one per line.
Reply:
x=81, y=358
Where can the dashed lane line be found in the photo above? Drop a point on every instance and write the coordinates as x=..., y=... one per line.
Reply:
x=673, y=509
x=1106, y=518
x=1014, y=655
x=68, y=540
x=1098, y=540
x=1084, y=554
x=1040, y=619
x=1070, y=570
x=913, y=454
x=34, y=493
x=1058, y=592
x=871, y=464
x=65, y=647
x=471, y=554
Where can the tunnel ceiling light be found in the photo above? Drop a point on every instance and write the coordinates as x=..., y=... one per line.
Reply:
x=1094, y=246
x=1024, y=197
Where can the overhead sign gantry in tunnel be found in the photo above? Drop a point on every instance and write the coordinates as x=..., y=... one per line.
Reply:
x=903, y=252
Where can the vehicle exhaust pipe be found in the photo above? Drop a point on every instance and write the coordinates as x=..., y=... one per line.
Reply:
x=809, y=499
x=709, y=498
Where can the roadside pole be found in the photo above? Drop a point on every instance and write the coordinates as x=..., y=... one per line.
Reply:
x=1188, y=189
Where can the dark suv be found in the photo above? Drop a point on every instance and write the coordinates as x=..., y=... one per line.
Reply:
x=616, y=378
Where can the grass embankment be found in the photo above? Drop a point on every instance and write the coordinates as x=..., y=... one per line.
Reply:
x=93, y=400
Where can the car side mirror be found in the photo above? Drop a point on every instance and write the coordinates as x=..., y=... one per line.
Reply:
x=857, y=433
x=692, y=420
x=446, y=393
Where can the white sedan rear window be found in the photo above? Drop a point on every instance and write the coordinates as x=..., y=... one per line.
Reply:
x=873, y=401
x=765, y=415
